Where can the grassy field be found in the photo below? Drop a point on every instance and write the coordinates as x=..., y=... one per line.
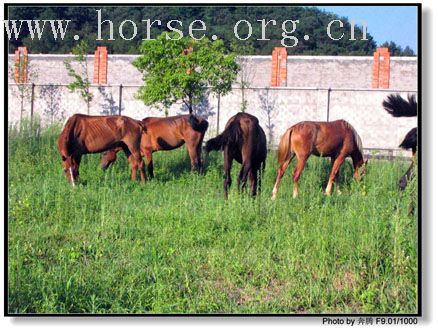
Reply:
x=174, y=245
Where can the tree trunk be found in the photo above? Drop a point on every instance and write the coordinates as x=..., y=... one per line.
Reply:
x=190, y=105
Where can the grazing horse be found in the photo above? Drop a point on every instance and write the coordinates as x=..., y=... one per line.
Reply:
x=337, y=140
x=165, y=134
x=84, y=134
x=244, y=141
x=397, y=106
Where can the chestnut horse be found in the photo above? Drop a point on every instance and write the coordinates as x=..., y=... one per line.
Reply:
x=399, y=107
x=337, y=140
x=244, y=141
x=83, y=134
x=165, y=134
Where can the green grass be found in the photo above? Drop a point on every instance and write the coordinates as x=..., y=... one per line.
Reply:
x=174, y=245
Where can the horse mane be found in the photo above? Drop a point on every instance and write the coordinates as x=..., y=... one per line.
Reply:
x=198, y=124
x=410, y=140
x=397, y=106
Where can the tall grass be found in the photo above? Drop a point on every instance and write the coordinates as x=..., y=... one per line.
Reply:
x=174, y=245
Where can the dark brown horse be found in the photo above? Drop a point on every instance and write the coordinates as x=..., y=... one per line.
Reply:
x=337, y=140
x=165, y=134
x=85, y=134
x=399, y=107
x=244, y=141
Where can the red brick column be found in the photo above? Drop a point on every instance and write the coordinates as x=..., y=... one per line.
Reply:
x=100, y=65
x=20, y=67
x=279, y=67
x=381, y=68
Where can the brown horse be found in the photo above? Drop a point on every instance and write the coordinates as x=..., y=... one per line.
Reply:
x=244, y=141
x=85, y=134
x=165, y=134
x=337, y=139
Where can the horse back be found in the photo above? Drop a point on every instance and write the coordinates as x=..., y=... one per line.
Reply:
x=93, y=134
x=165, y=133
x=332, y=137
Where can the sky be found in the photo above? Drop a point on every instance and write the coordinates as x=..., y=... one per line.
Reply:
x=384, y=23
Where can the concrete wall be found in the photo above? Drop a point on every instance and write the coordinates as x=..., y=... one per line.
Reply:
x=302, y=71
x=276, y=108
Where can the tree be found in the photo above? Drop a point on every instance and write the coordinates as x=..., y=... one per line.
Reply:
x=24, y=89
x=247, y=73
x=81, y=81
x=182, y=68
x=51, y=94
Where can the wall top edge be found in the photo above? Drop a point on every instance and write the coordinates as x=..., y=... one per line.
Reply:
x=266, y=57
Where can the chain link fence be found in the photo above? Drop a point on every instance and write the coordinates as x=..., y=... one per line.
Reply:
x=277, y=109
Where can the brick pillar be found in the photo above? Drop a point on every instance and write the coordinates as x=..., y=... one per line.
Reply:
x=100, y=65
x=279, y=67
x=20, y=67
x=381, y=68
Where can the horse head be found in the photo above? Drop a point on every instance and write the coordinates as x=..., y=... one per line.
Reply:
x=108, y=157
x=360, y=169
x=71, y=169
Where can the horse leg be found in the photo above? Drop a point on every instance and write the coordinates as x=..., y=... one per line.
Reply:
x=338, y=190
x=135, y=162
x=199, y=157
x=280, y=172
x=228, y=162
x=243, y=175
x=255, y=184
x=74, y=170
x=406, y=177
x=301, y=163
x=194, y=156
x=149, y=162
x=336, y=165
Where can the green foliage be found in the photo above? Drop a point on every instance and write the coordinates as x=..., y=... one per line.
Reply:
x=174, y=245
x=219, y=21
x=176, y=68
x=23, y=91
x=396, y=50
x=81, y=81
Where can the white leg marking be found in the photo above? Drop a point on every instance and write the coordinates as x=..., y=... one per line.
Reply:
x=71, y=177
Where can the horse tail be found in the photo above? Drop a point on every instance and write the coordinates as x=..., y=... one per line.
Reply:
x=397, y=106
x=198, y=124
x=229, y=136
x=410, y=140
x=284, y=148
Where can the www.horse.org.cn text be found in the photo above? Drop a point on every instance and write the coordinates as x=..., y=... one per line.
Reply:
x=175, y=30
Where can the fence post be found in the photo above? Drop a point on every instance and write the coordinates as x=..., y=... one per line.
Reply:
x=32, y=93
x=218, y=111
x=120, y=99
x=329, y=90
